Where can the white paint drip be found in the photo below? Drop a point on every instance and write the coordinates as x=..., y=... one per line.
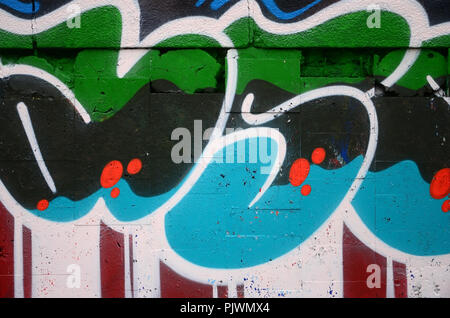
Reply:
x=18, y=259
x=28, y=126
x=390, y=293
x=438, y=91
x=127, y=263
x=232, y=288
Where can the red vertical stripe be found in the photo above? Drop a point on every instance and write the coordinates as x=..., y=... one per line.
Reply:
x=222, y=291
x=130, y=245
x=400, y=280
x=6, y=253
x=240, y=291
x=174, y=285
x=27, y=264
x=357, y=258
x=112, y=263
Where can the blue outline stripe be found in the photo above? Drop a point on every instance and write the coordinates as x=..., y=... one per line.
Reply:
x=26, y=8
x=200, y=3
x=217, y=4
x=276, y=11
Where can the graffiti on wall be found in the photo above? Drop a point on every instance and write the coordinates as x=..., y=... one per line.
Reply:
x=224, y=148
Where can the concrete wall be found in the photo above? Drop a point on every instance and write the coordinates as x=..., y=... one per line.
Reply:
x=224, y=148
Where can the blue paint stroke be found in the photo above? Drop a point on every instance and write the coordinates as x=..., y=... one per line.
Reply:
x=26, y=8
x=200, y=3
x=212, y=225
x=217, y=4
x=344, y=151
x=396, y=205
x=276, y=11
x=126, y=208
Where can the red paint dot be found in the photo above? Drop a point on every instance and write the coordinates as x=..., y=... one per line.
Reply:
x=440, y=185
x=115, y=193
x=134, y=166
x=318, y=156
x=446, y=206
x=299, y=172
x=306, y=190
x=111, y=174
x=43, y=205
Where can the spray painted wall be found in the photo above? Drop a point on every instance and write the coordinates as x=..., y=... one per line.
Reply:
x=252, y=148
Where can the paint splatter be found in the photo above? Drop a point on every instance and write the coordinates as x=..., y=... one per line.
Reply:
x=306, y=190
x=299, y=172
x=446, y=206
x=134, y=166
x=115, y=193
x=440, y=185
x=111, y=174
x=43, y=205
x=318, y=156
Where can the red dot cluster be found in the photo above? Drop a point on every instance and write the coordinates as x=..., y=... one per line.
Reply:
x=113, y=171
x=440, y=187
x=301, y=167
x=111, y=174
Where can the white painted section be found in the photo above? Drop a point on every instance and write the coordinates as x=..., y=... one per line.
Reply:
x=439, y=92
x=126, y=262
x=390, y=292
x=313, y=269
x=429, y=278
x=57, y=247
x=18, y=260
x=29, y=131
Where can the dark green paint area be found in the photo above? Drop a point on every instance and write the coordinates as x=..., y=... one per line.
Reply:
x=349, y=63
x=345, y=31
x=428, y=63
x=92, y=74
x=280, y=67
x=190, y=70
x=97, y=86
x=13, y=41
x=322, y=67
x=99, y=28
x=441, y=41
x=298, y=71
x=241, y=32
x=188, y=41
x=55, y=62
x=295, y=63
